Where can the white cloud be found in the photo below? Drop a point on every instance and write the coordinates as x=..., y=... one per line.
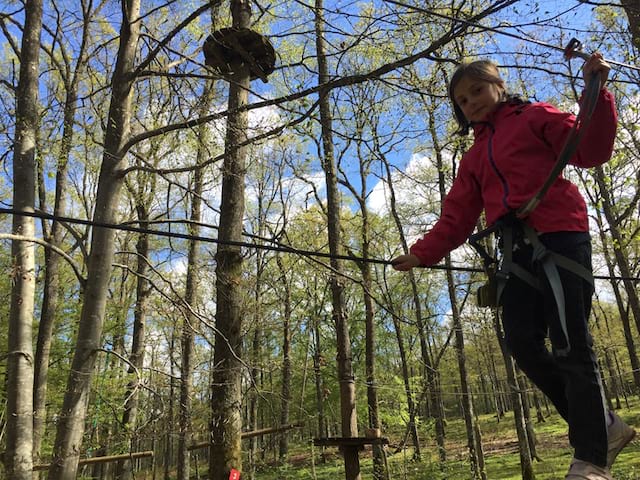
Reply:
x=405, y=188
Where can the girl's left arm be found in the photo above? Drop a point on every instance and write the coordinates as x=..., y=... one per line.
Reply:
x=596, y=146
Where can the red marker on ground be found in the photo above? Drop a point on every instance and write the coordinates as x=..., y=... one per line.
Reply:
x=234, y=474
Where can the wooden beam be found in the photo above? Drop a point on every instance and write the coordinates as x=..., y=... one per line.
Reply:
x=107, y=458
x=135, y=455
x=349, y=441
x=254, y=433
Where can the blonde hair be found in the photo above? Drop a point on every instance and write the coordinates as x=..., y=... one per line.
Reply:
x=484, y=70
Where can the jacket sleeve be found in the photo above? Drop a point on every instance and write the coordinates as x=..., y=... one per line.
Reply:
x=460, y=211
x=596, y=145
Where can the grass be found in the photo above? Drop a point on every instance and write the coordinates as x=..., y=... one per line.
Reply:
x=499, y=445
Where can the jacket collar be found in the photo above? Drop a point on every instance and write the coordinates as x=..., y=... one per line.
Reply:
x=503, y=110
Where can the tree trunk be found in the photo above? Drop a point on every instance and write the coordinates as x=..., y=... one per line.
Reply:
x=431, y=373
x=348, y=411
x=476, y=456
x=526, y=412
x=226, y=395
x=632, y=9
x=124, y=469
x=51, y=288
x=475, y=453
x=412, y=428
x=618, y=246
x=168, y=432
x=622, y=309
x=285, y=395
x=256, y=354
x=318, y=361
x=379, y=470
x=71, y=424
x=191, y=299
x=18, y=456
x=526, y=465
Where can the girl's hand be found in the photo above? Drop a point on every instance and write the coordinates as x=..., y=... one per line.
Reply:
x=596, y=64
x=404, y=263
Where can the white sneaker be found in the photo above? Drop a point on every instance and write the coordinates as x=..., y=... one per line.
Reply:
x=581, y=470
x=619, y=435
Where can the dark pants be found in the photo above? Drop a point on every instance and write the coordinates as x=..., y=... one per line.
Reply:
x=571, y=382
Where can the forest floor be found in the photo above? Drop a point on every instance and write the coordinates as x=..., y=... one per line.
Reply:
x=500, y=450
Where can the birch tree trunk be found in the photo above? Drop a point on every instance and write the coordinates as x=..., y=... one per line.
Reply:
x=18, y=456
x=348, y=413
x=70, y=428
x=226, y=395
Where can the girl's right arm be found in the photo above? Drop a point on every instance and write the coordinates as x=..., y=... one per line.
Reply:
x=460, y=211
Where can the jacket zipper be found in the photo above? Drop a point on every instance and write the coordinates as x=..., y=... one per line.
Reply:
x=503, y=180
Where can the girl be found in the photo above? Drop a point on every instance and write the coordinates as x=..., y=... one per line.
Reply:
x=516, y=144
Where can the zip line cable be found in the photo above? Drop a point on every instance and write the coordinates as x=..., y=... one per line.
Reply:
x=255, y=246
x=498, y=31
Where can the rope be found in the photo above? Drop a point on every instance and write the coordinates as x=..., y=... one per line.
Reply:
x=498, y=31
x=570, y=146
x=255, y=246
x=233, y=243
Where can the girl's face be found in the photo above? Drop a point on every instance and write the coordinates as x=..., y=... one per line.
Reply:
x=477, y=98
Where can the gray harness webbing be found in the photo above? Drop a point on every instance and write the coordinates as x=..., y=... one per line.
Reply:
x=499, y=271
x=549, y=261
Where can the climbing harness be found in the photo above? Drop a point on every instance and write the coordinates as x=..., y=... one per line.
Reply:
x=514, y=232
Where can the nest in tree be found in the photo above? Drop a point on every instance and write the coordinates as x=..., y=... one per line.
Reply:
x=227, y=47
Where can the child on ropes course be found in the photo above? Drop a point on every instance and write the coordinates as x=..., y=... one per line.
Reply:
x=516, y=145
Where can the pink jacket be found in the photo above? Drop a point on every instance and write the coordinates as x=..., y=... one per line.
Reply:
x=513, y=152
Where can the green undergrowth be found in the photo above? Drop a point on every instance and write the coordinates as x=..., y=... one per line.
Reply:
x=500, y=449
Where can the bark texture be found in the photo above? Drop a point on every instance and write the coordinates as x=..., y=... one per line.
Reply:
x=226, y=394
x=19, y=441
x=70, y=429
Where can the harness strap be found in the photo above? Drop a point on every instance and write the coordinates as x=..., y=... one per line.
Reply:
x=549, y=261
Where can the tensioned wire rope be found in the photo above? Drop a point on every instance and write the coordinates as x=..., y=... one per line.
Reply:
x=273, y=247
x=497, y=30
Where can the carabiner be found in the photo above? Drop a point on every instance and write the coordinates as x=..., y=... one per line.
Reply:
x=574, y=49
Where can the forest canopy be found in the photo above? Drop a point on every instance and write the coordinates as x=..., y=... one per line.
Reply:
x=195, y=252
